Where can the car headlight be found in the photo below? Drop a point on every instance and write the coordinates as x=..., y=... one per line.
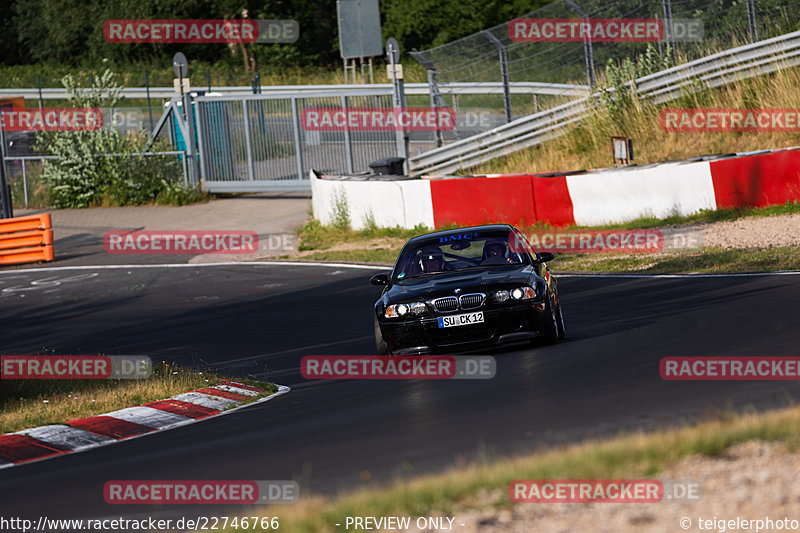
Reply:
x=403, y=310
x=500, y=296
x=523, y=293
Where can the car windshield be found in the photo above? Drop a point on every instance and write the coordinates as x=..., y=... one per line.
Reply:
x=458, y=251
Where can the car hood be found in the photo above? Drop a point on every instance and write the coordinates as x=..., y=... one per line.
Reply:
x=468, y=280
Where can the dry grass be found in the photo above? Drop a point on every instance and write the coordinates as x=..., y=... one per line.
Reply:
x=589, y=144
x=32, y=403
x=484, y=485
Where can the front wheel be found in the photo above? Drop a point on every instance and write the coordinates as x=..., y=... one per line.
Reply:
x=380, y=344
x=562, y=330
x=551, y=333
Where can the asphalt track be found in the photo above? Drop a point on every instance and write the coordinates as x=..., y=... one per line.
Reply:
x=259, y=320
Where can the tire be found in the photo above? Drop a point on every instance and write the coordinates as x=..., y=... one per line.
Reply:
x=380, y=344
x=562, y=330
x=550, y=322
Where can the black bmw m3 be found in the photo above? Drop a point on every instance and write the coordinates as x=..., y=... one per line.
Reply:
x=466, y=289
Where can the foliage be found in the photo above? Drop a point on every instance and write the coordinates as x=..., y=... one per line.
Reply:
x=84, y=175
x=341, y=210
x=620, y=95
x=71, y=31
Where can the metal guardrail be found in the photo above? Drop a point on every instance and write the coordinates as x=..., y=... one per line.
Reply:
x=140, y=93
x=712, y=71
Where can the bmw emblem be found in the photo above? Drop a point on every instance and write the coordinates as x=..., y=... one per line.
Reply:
x=457, y=291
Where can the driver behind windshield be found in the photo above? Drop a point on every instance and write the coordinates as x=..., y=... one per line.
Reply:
x=432, y=260
x=494, y=253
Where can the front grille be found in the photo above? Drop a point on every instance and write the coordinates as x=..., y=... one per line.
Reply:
x=448, y=303
x=471, y=301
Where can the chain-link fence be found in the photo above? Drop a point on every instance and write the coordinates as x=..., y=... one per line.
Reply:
x=491, y=55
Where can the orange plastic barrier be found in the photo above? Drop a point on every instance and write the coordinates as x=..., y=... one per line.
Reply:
x=26, y=239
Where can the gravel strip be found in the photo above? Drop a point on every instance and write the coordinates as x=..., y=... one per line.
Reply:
x=752, y=481
x=754, y=232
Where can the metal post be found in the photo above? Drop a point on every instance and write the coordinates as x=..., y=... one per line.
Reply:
x=208, y=79
x=436, y=99
x=5, y=205
x=348, y=142
x=398, y=100
x=149, y=107
x=660, y=51
x=185, y=178
x=751, y=20
x=248, y=143
x=371, y=76
x=297, y=142
x=202, y=113
x=667, y=5
x=5, y=202
x=191, y=141
x=433, y=88
x=24, y=183
x=588, y=51
x=41, y=100
x=262, y=126
x=503, y=72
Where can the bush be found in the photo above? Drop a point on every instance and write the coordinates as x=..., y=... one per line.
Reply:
x=341, y=210
x=83, y=176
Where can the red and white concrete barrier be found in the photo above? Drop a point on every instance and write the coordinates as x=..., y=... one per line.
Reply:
x=81, y=434
x=585, y=198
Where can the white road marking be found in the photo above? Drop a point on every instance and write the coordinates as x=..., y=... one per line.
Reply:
x=386, y=267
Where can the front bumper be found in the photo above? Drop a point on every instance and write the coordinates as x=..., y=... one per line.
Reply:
x=502, y=324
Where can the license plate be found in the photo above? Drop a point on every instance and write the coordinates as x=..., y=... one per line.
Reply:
x=461, y=320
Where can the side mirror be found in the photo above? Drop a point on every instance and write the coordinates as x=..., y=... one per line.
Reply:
x=544, y=257
x=380, y=279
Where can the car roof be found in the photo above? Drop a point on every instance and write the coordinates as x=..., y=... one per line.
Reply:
x=485, y=227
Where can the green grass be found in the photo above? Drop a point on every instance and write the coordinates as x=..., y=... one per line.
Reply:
x=315, y=236
x=483, y=484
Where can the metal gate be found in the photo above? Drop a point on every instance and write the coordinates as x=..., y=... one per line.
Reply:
x=257, y=143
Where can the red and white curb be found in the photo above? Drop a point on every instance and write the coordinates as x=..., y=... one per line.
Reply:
x=82, y=434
